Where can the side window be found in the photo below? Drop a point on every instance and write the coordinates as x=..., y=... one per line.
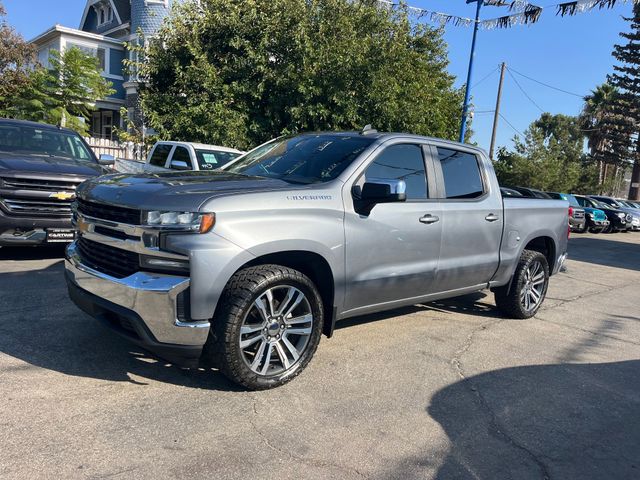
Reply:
x=461, y=172
x=400, y=162
x=181, y=154
x=160, y=154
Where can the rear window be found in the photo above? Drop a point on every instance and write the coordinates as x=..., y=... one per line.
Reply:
x=160, y=155
x=462, y=178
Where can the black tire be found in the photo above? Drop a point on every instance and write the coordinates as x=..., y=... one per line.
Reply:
x=236, y=305
x=510, y=300
x=608, y=229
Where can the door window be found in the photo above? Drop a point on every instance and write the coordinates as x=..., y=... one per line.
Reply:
x=181, y=154
x=461, y=172
x=400, y=162
x=160, y=155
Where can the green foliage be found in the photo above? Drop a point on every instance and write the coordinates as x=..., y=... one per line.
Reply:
x=550, y=157
x=238, y=72
x=63, y=95
x=16, y=58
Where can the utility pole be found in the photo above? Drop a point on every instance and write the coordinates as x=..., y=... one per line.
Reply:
x=467, y=95
x=496, y=114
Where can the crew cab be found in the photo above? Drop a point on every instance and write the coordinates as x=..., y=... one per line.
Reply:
x=40, y=168
x=167, y=155
x=245, y=268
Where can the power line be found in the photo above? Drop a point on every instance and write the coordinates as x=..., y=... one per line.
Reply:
x=485, y=77
x=511, y=125
x=523, y=91
x=546, y=84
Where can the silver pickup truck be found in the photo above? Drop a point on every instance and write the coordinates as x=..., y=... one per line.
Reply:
x=247, y=267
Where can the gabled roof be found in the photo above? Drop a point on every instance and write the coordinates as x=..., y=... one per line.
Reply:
x=121, y=10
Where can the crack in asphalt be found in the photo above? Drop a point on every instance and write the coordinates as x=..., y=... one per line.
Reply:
x=303, y=460
x=494, y=423
x=586, y=330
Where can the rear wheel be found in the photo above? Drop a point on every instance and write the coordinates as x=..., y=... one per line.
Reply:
x=528, y=287
x=267, y=327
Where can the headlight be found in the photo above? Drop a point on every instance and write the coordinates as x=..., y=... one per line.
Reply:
x=621, y=215
x=184, y=221
x=590, y=215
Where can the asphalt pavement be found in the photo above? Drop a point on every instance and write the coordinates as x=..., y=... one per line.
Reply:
x=445, y=390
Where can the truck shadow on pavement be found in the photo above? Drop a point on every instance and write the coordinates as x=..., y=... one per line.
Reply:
x=602, y=250
x=569, y=421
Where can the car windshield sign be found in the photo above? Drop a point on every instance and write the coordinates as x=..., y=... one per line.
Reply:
x=19, y=139
x=311, y=158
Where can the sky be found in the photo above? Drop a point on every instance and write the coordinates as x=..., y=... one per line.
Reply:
x=570, y=53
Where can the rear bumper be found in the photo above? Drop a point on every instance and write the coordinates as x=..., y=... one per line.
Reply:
x=141, y=307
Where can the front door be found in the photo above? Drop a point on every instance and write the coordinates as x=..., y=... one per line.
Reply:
x=392, y=253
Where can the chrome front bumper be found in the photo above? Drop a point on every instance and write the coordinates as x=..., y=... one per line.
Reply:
x=148, y=296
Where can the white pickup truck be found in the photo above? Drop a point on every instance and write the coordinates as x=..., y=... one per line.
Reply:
x=180, y=156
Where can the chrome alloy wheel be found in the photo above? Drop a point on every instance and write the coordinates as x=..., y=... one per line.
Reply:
x=533, y=287
x=276, y=330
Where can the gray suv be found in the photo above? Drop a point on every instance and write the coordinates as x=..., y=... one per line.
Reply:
x=247, y=267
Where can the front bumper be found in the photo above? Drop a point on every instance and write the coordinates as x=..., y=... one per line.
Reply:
x=142, y=307
x=577, y=223
x=27, y=230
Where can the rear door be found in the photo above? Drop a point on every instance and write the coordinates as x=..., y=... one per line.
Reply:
x=472, y=220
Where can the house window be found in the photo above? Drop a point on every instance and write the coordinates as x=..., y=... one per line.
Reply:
x=101, y=58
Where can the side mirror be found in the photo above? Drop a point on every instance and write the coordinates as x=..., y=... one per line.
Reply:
x=106, y=159
x=179, y=165
x=379, y=191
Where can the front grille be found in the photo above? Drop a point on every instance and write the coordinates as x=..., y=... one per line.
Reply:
x=40, y=185
x=112, y=261
x=111, y=213
x=578, y=214
x=43, y=207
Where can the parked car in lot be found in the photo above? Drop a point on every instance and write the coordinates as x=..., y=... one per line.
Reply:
x=634, y=221
x=508, y=192
x=181, y=156
x=619, y=221
x=577, y=214
x=530, y=192
x=246, y=267
x=40, y=168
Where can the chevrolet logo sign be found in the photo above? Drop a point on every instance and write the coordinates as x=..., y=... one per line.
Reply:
x=62, y=195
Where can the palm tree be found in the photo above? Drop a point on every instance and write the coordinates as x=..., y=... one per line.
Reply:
x=597, y=106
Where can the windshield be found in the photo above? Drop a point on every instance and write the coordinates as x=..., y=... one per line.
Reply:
x=211, y=159
x=21, y=139
x=304, y=158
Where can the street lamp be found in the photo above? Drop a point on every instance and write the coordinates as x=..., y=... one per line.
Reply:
x=467, y=94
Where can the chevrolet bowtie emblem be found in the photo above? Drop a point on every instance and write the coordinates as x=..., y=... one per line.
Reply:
x=62, y=195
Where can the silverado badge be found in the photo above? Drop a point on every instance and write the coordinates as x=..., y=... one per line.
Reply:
x=62, y=195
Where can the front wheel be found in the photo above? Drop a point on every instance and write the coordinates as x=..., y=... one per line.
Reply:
x=528, y=287
x=266, y=328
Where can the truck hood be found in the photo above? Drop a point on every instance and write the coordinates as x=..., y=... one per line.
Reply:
x=173, y=190
x=26, y=164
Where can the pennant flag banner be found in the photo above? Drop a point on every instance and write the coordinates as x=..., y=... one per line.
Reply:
x=526, y=13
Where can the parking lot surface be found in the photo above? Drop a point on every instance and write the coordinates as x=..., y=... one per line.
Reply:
x=444, y=390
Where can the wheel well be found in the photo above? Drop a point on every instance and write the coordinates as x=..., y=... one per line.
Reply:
x=545, y=246
x=313, y=266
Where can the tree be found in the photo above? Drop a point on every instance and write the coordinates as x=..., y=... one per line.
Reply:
x=550, y=157
x=597, y=109
x=238, y=73
x=622, y=128
x=17, y=57
x=66, y=94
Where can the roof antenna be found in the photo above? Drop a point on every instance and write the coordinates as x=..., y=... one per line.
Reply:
x=368, y=130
